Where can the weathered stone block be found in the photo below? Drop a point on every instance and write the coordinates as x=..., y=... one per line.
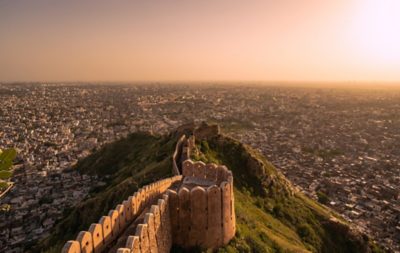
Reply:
x=211, y=172
x=229, y=177
x=133, y=243
x=198, y=219
x=214, y=217
x=85, y=240
x=145, y=196
x=149, y=220
x=233, y=214
x=141, y=199
x=162, y=235
x=174, y=211
x=97, y=236
x=167, y=222
x=187, y=168
x=71, y=247
x=105, y=223
x=132, y=203
x=221, y=174
x=184, y=217
x=228, y=227
x=122, y=214
x=114, y=217
x=155, y=210
x=142, y=233
x=128, y=211
x=199, y=170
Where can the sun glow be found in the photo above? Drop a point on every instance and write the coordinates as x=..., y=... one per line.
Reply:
x=290, y=40
x=377, y=30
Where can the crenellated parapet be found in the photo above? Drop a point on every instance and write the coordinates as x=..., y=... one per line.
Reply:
x=100, y=235
x=199, y=173
x=202, y=209
x=194, y=209
x=154, y=233
x=200, y=212
x=176, y=156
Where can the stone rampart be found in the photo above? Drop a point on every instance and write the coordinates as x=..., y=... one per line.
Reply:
x=177, y=154
x=197, y=211
x=199, y=173
x=100, y=235
x=200, y=213
x=154, y=234
x=202, y=210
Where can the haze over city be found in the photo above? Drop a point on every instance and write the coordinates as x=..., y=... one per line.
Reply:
x=288, y=40
x=198, y=126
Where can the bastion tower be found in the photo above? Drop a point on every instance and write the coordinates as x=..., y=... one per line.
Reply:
x=194, y=208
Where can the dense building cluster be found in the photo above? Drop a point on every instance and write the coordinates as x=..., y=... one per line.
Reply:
x=340, y=146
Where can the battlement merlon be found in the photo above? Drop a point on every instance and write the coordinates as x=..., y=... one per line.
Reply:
x=193, y=209
x=199, y=173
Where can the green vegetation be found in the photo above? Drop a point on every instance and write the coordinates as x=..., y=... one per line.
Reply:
x=6, y=162
x=6, y=158
x=322, y=198
x=126, y=165
x=3, y=186
x=271, y=215
x=4, y=175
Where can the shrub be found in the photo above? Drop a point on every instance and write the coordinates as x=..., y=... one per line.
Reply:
x=322, y=198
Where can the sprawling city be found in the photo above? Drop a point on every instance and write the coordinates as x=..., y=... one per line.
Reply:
x=339, y=146
x=212, y=126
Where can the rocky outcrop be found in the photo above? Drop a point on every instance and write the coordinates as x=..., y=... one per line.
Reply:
x=206, y=131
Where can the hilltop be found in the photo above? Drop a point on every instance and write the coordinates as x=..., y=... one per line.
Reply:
x=271, y=215
x=125, y=166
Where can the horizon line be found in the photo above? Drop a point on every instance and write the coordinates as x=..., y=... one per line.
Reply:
x=391, y=82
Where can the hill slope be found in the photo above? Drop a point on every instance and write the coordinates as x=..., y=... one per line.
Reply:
x=125, y=165
x=271, y=216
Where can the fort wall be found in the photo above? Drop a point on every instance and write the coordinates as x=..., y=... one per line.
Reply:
x=202, y=209
x=100, y=235
x=176, y=156
x=154, y=234
x=197, y=211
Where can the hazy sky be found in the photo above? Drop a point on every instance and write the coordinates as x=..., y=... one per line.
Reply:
x=287, y=40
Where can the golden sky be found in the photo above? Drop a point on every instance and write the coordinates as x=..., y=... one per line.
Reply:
x=161, y=40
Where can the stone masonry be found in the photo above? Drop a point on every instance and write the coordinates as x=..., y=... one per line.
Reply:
x=195, y=209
